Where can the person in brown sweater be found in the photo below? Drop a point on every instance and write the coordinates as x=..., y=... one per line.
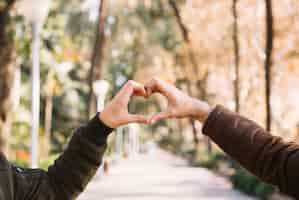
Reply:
x=268, y=157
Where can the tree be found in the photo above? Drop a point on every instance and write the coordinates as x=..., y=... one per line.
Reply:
x=200, y=84
x=187, y=41
x=7, y=68
x=237, y=56
x=268, y=61
x=185, y=34
x=49, y=103
x=52, y=89
x=97, y=56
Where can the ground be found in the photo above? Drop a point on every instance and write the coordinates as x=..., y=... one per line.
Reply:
x=159, y=176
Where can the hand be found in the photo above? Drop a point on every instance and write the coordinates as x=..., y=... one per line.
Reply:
x=116, y=112
x=180, y=105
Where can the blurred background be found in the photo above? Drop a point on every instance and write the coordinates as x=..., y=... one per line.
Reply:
x=242, y=54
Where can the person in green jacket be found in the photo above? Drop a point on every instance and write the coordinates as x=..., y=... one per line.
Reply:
x=71, y=172
x=268, y=157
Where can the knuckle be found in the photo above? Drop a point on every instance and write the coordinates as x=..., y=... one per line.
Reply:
x=130, y=82
x=155, y=80
x=171, y=113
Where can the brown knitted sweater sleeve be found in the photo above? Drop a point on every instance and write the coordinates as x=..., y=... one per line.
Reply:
x=266, y=156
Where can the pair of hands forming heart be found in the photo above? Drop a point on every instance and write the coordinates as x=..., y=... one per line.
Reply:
x=180, y=105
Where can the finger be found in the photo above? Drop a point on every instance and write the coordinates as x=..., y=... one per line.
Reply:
x=138, y=119
x=160, y=116
x=131, y=88
x=157, y=85
x=136, y=89
x=139, y=90
x=148, y=91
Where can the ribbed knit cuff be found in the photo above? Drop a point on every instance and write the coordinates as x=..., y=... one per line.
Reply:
x=97, y=130
x=208, y=125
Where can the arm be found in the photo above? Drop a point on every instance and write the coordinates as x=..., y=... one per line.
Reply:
x=77, y=165
x=72, y=171
x=266, y=156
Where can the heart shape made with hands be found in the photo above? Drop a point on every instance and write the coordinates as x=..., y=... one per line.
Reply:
x=169, y=91
x=149, y=97
x=147, y=92
x=116, y=112
x=179, y=104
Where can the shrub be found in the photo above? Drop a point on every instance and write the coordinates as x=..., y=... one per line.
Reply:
x=44, y=164
x=20, y=163
x=209, y=161
x=250, y=184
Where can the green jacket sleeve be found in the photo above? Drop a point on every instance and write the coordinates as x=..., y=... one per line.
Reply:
x=71, y=172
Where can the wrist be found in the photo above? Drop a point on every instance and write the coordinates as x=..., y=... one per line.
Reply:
x=107, y=120
x=201, y=110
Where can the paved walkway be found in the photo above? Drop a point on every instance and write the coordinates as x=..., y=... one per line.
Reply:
x=159, y=176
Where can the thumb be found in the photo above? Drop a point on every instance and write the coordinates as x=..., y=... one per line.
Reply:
x=137, y=119
x=160, y=116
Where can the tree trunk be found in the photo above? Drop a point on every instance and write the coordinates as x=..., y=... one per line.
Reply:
x=48, y=123
x=194, y=131
x=51, y=86
x=237, y=56
x=97, y=56
x=48, y=115
x=7, y=71
x=268, y=61
x=191, y=121
x=200, y=84
x=185, y=34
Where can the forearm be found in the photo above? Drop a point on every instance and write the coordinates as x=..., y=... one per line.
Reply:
x=80, y=161
x=200, y=110
x=268, y=157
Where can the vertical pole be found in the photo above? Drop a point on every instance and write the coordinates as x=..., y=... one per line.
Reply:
x=35, y=93
x=100, y=89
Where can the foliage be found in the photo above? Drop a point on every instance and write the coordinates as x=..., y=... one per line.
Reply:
x=45, y=163
x=20, y=163
x=209, y=161
x=172, y=144
x=250, y=184
x=240, y=177
x=64, y=44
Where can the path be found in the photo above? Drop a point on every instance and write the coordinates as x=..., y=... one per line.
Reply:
x=159, y=176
